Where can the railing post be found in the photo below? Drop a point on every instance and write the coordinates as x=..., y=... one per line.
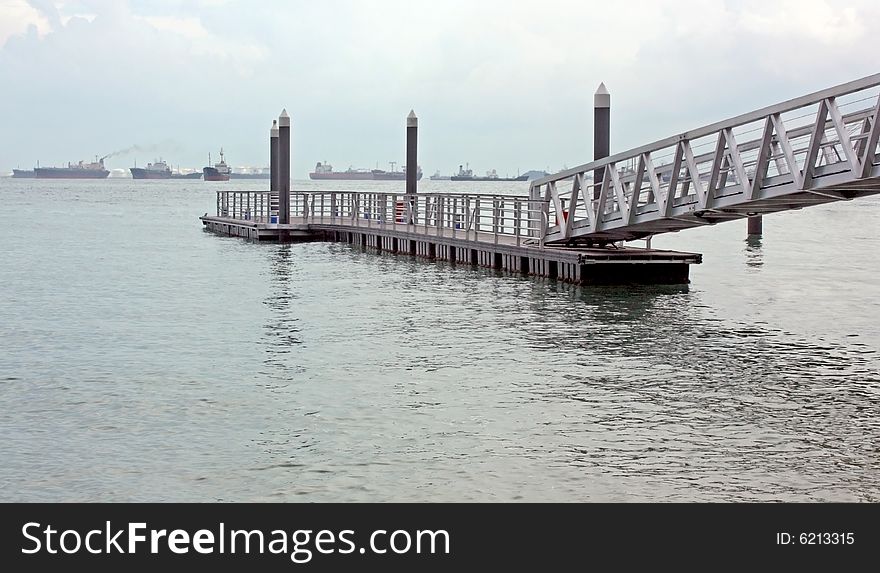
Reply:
x=545, y=221
x=394, y=209
x=454, y=219
x=516, y=220
x=427, y=213
x=476, y=216
x=438, y=218
x=501, y=213
x=534, y=213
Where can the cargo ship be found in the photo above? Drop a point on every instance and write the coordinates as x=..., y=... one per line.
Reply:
x=381, y=175
x=468, y=175
x=160, y=170
x=80, y=170
x=325, y=171
x=219, y=172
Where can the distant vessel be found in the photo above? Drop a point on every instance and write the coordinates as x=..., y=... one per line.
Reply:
x=536, y=174
x=252, y=173
x=219, y=172
x=491, y=175
x=80, y=170
x=325, y=171
x=437, y=177
x=23, y=173
x=160, y=170
x=179, y=175
x=381, y=175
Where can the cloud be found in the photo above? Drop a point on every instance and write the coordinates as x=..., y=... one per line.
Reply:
x=47, y=9
x=502, y=85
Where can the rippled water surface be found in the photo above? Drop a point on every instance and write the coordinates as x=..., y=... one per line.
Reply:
x=143, y=359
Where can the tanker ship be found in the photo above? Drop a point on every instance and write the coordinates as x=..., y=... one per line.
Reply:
x=325, y=171
x=491, y=175
x=160, y=170
x=79, y=170
x=219, y=172
x=382, y=175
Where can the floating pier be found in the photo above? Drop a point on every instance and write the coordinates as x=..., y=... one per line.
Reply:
x=502, y=232
x=572, y=225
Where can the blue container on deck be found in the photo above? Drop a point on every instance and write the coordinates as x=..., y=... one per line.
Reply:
x=273, y=219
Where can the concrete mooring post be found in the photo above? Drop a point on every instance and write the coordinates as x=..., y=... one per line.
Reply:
x=274, y=179
x=756, y=225
x=284, y=167
x=412, y=159
x=601, y=132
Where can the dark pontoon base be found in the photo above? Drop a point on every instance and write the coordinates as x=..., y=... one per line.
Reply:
x=597, y=266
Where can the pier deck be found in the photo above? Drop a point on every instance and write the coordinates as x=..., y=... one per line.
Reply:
x=500, y=232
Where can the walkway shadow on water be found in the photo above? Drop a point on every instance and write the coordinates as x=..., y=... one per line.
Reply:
x=282, y=331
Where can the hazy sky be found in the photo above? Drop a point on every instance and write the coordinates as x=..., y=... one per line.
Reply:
x=500, y=84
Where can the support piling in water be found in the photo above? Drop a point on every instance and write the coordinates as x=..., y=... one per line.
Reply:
x=284, y=168
x=756, y=225
x=274, y=179
x=601, y=132
x=412, y=160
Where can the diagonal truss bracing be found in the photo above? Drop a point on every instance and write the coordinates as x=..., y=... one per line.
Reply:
x=815, y=149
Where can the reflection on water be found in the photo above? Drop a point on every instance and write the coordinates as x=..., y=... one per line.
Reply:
x=754, y=254
x=485, y=378
x=281, y=331
x=184, y=366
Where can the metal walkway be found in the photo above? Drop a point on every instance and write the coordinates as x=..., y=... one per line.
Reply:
x=814, y=149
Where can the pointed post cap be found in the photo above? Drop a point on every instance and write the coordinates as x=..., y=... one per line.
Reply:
x=602, y=97
x=274, y=131
x=284, y=119
x=412, y=120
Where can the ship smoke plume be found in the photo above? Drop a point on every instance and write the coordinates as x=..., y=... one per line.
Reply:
x=151, y=148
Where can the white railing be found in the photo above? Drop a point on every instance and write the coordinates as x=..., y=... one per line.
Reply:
x=256, y=206
x=469, y=216
x=818, y=148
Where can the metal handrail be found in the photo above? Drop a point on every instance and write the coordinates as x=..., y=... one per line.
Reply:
x=805, y=148
x=437, y=214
